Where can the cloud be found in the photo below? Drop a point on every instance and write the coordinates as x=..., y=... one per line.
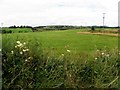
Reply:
x=46, y=12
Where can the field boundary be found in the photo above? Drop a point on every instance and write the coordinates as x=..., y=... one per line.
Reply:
x=109, y=34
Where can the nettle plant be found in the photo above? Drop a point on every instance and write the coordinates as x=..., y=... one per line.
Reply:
x=19, y=67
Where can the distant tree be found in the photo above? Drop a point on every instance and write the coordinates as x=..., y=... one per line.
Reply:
x=92, y=28
x=9, y=31
x=34, y=29
x=3, y=31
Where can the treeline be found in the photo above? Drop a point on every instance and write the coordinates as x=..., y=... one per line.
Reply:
x=47, y=28
x=20, y=26
x=59, y=27
x=66, y=27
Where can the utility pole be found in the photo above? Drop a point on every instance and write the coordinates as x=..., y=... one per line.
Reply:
x=104, y=20
x=1, y=26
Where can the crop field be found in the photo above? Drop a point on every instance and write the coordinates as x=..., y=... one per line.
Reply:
x=59, y=59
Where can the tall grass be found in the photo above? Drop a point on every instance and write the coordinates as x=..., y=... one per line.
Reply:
x=27, y=65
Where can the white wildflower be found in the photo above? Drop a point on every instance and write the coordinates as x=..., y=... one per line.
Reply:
x=21, y=52
x=97, y=50
x=15, y=46
x=24, y=50
x=26, y=60
x=68, y=50
x=62, y=54
x=29, y=58
x=119, y=52
x=18, y=42
x=20, y=45
x=95, y=58
x=35, y=69
x=0, y=50
x=24, y=43
x=12, y=52
x=27, y=49
x=102, y=53
x=108, y=55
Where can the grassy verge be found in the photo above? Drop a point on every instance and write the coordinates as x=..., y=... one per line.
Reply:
x=32, y=60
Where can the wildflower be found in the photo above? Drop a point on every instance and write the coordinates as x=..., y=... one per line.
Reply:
x=26, y=60
x=62, y=54
x=15, y=46
x=68, y=50
x=29, y=58
x=21, y=52
x=97, y=50
x=107, y=55
x=12, y=52
x=24, y=43
x=24, y=50
x=35, y=69
x=102, y=53
x=20, y=45
x=95, y=58
x=0, y=50
x=27, y=49
x=18, y=42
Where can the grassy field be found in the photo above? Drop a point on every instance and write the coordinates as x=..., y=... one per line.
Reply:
x=61, y=58
x=70, y=38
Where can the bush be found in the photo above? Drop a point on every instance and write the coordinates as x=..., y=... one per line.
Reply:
x=92, y=28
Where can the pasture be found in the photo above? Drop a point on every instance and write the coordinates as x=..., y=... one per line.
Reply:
x=60, y=59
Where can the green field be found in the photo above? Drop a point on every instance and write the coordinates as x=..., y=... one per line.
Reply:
x=62, y=58
x=75, y=41
x=70, y=38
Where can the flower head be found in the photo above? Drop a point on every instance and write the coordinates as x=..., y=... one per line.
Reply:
x=18, y=42
x=20, y=45
x=12, y=52
x=102, y=53
x=24, y=50
x=26, y=60
x=68, y=50
x=108, y=55
x=21, y=52
x=27, y=49
x=98, y=50
x=29, y=57
x=95, y=58
x=24, y=43
x=62, y=54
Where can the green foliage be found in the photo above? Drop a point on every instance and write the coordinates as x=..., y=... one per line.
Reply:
x=16, y=30
x=28, y=63
x=92, y=28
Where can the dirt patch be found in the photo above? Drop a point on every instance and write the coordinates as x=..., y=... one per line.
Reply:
x=109, y=34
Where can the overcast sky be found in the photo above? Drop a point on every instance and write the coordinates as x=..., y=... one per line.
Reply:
x=58, y=12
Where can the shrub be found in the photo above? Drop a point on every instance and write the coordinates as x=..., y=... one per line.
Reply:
x=92, y=28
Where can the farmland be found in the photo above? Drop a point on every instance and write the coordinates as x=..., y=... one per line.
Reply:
x=60, y=58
